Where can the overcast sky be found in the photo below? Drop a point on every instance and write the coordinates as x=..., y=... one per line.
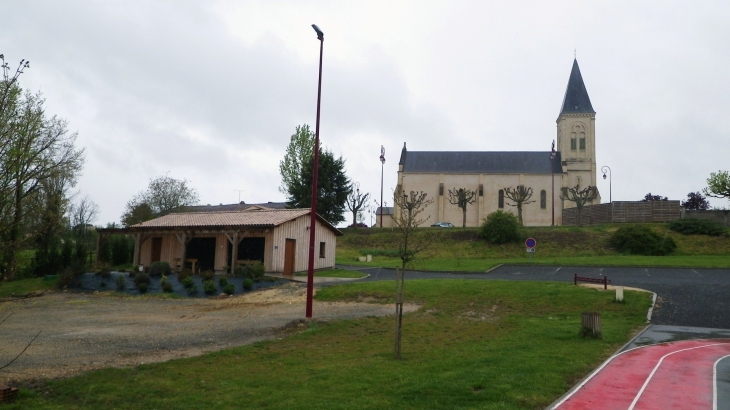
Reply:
x=212, y=91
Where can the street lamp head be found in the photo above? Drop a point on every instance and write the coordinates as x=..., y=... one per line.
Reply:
x=604, y=175
x=320, y=34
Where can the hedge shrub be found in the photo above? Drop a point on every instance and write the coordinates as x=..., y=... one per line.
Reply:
x=693, y=226
x=160, y=268
x=500, y=227
x=640, y=240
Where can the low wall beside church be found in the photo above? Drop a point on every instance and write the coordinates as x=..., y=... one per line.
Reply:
x=624, y=212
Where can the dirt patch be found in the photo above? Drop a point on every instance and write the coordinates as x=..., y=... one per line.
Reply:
x=82, y=332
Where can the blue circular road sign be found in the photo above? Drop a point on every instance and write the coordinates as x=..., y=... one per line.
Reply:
x=530, y=243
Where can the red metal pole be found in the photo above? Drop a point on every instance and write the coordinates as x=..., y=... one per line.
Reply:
x=313, y=211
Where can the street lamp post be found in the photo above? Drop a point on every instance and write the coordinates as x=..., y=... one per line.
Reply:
x=382, y=165
x=313, y=212
x=552, y=178
x=603, y=169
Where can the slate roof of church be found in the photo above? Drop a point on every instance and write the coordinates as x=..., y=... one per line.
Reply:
x=576, y=99
x=476, y=162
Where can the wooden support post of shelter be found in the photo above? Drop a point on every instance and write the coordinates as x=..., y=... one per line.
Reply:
x=139, y=239
x=184, y=238
x=101, y=237
x=235, y=238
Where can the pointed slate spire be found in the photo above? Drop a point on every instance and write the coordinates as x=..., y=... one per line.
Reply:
x=576, y=96
x=403, y=155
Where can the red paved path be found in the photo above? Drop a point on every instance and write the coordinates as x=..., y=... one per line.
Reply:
x=681, y=379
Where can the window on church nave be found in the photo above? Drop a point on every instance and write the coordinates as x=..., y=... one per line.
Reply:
x=573, y=144
x=543, y=199
x=501, y=199
x=583, y=143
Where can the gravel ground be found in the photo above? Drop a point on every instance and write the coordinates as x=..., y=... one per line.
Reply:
x=82, y=332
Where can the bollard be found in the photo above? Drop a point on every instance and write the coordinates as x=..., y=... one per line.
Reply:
x=619, y=293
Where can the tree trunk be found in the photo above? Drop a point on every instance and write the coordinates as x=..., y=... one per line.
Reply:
x=519, y=213
x=463, y=224
x=354, y=217
x=15, y=231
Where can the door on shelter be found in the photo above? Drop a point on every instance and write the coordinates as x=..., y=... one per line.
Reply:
x=156, y=250
x=289, y=252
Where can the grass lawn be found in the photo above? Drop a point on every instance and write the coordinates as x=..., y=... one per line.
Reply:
x=25, y=286
x=336, y=273
x=461, y=249
x=473, y=344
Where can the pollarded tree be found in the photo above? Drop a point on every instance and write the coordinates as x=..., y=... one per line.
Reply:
x=580, y=197
x=520, y=196
x=462, y=197
x=407, y=218
x=718, y=185
x=355, y=202
x=696, y=201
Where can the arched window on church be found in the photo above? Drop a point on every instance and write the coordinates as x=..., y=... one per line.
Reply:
x=501, y=199
x=578, y=135
x=543, y=199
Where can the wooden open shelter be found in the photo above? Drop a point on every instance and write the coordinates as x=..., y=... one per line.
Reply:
x=222, y=240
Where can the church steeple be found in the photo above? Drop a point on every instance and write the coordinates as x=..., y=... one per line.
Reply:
x=576, y=99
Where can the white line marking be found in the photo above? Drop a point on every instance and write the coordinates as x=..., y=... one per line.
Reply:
x=696, y=272
x=651, y=309
x=714, y=382
x=648, y=379
x=587, y=379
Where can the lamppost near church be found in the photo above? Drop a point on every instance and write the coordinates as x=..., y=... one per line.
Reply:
x=610, y=175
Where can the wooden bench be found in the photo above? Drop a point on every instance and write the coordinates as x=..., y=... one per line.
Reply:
x=605, y=281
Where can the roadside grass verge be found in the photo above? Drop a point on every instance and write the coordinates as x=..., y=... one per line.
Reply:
x=472, y=344
x=23, y=287
x=336, y=273
x=460, y=249
x=483, y=265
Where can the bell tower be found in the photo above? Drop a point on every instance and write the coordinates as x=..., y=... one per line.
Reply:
x=577, y=135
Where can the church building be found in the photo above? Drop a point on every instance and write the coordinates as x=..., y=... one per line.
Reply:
x=488, y=173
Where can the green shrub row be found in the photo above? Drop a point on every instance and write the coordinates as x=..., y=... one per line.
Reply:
x=640, y=240
x=697, y=227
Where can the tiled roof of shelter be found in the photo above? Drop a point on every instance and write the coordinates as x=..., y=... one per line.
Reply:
x=247, y=218
x=576, y=99
x=482, y=162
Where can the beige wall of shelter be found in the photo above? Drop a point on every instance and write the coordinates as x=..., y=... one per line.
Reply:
x=488, y=173
x=218, y=240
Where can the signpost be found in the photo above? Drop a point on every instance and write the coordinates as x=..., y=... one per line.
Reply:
x=530, y=243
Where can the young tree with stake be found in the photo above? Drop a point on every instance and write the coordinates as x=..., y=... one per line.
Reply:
x=407, y=218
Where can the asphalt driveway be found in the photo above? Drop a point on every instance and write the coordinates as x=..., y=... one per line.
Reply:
x=686, y=297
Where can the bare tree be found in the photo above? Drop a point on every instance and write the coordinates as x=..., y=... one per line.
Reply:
x=407, y=218
x=462, y=197
x=83, y=214
x=520, y=196
x=580, y=197
x=356, y=201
